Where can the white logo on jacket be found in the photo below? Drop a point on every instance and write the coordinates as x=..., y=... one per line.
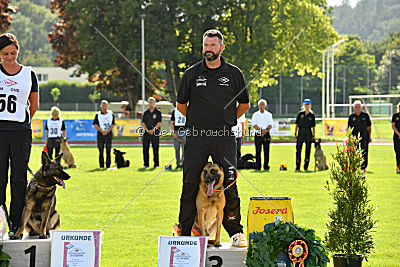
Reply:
x=201, y=81
x=223, y=81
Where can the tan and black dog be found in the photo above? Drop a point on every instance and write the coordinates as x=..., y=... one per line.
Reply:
x=39, y=214
x=319, y=156
x=68, y=157
x=210, y=202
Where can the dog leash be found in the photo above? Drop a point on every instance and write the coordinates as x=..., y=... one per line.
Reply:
x=226, y=188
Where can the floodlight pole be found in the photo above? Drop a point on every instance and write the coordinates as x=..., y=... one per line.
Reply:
x=323, y=93
x=333, y=77
x=143, y=67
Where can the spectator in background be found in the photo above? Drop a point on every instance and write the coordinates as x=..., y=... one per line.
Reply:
x=104, y=122
x=55, y=130
x=20, y=102
x=305, y=122
x=126, y=109
x=151, y=123
x=178, y=122
x=361, y=124
x=239, y=130
x=262, y=121
x=396, y=136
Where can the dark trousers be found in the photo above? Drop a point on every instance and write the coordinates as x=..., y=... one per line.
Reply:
x=396, y=143
x=262, y=142
x=107, y=141
x=238, y=147
x=53, y=144
x=155, y=143
x=303, y=138
x=222, y=149
x=15, y=150
x=363, y=144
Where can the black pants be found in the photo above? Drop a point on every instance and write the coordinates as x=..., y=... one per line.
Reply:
x=303, y=138
x=238, y=148
x=53, y=144
x=363, y=144
x=396, y=143
x=101, y=141
x=222, y=149
x=155, y=143
x=262, y=142
x=15, y=149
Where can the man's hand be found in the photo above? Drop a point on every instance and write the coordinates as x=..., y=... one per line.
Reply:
x=175, y=136
x=150, y=132
x=104, y=132
x=295, y=138
x=370, y=139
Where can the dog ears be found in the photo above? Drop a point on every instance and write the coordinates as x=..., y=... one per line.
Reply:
x=45, y=159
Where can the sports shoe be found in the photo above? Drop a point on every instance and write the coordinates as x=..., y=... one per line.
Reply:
x=238, y=240
x=398, y=171
x=156, y=167
x=145, y=167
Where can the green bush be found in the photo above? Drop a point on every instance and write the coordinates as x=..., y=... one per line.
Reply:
x=72, y=92
x=276, y=237
x=4, y=258
x=351, y=222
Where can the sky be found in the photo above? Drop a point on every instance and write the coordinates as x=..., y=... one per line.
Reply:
x=339, y=2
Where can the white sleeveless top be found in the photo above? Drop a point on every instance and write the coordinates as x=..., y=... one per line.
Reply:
x=54, y=128
x=105, y=120
x=14, y=94
x=180, y=120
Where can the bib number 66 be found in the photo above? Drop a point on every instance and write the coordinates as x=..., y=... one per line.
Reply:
x=9, y=103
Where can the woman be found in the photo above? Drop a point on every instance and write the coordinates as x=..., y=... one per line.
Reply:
x=19, y=100
x=396, y=136
x=305, y=122
x=55, y=130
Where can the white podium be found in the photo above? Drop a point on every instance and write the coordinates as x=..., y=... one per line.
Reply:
x=29, y=252
x=225, y=256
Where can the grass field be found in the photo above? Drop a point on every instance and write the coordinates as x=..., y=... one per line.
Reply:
x=94, y=197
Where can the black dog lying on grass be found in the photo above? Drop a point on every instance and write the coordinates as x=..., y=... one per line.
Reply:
x=120, y=162
x=247, y=162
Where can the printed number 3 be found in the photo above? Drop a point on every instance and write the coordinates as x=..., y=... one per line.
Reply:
x=11, y=103
x=218, y=259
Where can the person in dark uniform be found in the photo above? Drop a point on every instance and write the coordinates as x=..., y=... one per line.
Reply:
x=20, y=100
x=178, y=122
x=104, y=122
x=361, y=124
x=55, y=130
x=396, y=136
x=212, y=95
x=151, y=123
x=305, y=124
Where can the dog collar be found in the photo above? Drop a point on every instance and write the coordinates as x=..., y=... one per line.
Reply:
x=222, y=188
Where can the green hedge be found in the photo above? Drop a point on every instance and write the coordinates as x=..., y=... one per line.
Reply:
x=72, y=92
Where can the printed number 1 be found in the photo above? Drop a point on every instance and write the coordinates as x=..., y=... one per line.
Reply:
x=31, y=250
x=218, y=259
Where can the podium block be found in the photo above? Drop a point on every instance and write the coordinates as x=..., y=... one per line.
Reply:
x=28, y=252
x=225, y=256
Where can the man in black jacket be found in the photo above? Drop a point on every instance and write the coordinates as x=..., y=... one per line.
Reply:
x=212, y=95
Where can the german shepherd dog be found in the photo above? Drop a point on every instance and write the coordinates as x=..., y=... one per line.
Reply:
x=39, y=214
x=319, y=156
x=120, y=161
x=67, y=155
x=210, y=203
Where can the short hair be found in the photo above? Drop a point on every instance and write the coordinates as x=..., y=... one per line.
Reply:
x=152, y=98
x=7, y=39
x=55, y=111
x=214, y=33
x=104, y=101
x=357, y=102
x=398, y=107
x=262, y=101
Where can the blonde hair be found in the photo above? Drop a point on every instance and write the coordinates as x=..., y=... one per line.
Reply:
x=398, y=107
x=357, y=102
x=304, y=108
x=55, y=111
